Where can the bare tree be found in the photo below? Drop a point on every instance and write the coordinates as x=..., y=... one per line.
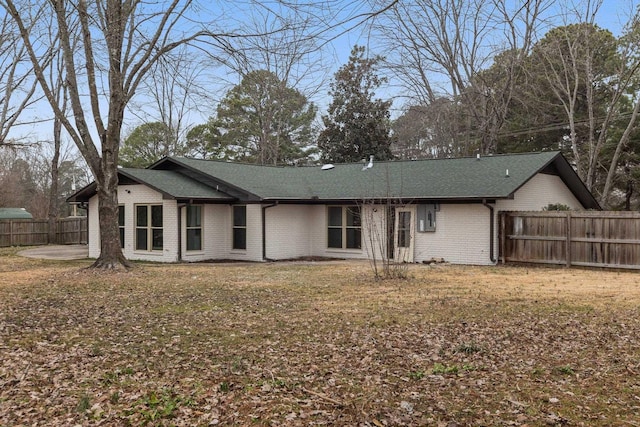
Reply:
x=56, y=78
x=172, y=92
x=283, y=47
x=566, y=59
x=26, y=177
x=628, y=74
x=17, y=86
x=592, y=76
x=439, y=49
x=428, y=131
x=120, y=41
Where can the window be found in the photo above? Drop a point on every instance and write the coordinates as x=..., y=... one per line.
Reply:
x=239, y=227
x=404, y=229
x=121, y=224
x=344, y=227
x=194, y=228
x=149, y=227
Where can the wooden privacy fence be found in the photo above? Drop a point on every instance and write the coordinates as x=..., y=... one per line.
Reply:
x=590, y=238
x=29, y=232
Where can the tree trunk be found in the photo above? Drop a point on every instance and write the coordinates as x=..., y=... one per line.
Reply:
x=111, y=256
x=622, y=143
x=53, y=191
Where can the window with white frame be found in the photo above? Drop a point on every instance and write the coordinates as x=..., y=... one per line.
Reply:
x=149, y=228
x=239, y=227
x=194, y=228
x=121, y=224
x=344, y=227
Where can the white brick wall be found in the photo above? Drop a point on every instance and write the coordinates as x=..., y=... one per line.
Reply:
x=129, y=196
x=301, y=230
x=217, y=235
x=218, y=232
x=461, y=236
x=540, y=191
x=317, y=224
x=462, y=230
x=94, y=228
x=288, y=231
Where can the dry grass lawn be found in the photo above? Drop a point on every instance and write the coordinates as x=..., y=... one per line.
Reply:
x=317, y=344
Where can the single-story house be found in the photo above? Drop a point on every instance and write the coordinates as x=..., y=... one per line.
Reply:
x=183, y=209
x=14, y=213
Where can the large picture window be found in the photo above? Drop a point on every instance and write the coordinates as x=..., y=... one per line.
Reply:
x=239, y=227
x=149, y=227
x=344, y=229
x=121, y=224
x=194, y=228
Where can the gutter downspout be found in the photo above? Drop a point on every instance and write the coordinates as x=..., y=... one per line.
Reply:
x=491, y=230
x=180, y=206
x=264, y=230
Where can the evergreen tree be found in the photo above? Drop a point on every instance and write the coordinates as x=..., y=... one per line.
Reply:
x=262, y=120
x=357, y=125
x=147, y=144
x=205, y=142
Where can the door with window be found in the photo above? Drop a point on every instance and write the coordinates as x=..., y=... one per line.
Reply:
x=404, y=234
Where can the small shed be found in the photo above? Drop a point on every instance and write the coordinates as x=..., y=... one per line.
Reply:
x=14, y=213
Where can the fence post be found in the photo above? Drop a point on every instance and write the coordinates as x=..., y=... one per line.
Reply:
x=568, y=244
x=10, y=233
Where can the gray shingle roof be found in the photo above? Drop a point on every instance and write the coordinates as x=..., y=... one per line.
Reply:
x=172, y=183
x=443, y=179
x=437, y=180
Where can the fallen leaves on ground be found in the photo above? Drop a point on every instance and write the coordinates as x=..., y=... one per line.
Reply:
x=316, y=343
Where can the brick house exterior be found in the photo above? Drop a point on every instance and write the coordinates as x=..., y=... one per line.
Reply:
x=183, y=209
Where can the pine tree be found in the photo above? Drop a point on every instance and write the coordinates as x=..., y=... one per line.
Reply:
x=262, y=120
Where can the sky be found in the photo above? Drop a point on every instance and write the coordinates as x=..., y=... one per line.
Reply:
x=335, y=53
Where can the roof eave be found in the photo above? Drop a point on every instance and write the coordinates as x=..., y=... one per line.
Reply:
x=405, y=199
x=574, y=183
x=243, y=194
x=194, y=200
x=84, y=194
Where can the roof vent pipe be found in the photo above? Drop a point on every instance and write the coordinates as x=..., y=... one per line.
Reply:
x=478, y=156
x=370, y=165
x=506, y=173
